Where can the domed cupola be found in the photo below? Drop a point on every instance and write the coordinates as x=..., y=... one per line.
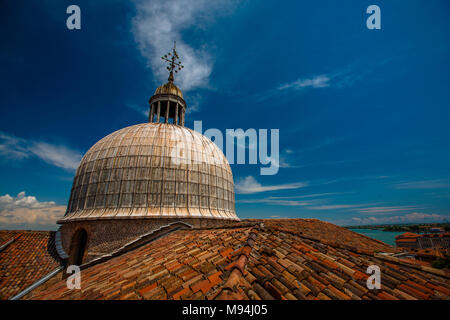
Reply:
x=147, y=177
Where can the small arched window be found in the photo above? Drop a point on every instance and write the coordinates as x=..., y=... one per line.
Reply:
x=78, y=247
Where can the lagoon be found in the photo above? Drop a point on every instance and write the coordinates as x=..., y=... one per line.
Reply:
x=385, y=236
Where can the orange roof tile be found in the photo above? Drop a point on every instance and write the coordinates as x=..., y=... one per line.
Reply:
x=277, y=260
x=31, y=256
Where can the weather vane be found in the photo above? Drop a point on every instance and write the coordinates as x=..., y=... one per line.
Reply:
x=174, y=61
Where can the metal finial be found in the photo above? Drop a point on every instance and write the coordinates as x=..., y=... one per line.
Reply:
x=174, y=61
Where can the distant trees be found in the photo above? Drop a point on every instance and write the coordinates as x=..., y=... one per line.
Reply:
x=441, y=263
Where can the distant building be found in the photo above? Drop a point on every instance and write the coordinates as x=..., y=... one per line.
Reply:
x=434, y=241
x=431, y=229
x=407, y=240
x=425, y=246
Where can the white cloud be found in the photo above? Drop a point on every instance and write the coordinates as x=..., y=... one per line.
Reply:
x=335, y=206
x=58, y=156
x=443, y=195
x=319, y=81
x=384, y=210
x=14, y=148
x=354, y=178
x=341, y=78
x=143, y=111
x=11, y=147
x=250, y=185
x=424, y=184
x=159, y=22
x=278, y=202
x=367, y=208
x=194, y=105
x=22, y=201
x=27, y=211
x=311, y=199
x=313, y=195
x=407, y=218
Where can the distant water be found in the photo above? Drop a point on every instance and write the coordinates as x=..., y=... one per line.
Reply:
x=385, y=236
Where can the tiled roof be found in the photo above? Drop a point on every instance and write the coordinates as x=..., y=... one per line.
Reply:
x=436, y=235
x=408, y=235
x=406, y=240
x=286, y=266
x=272, y=260
x=188, y=264
x=329, y=233
x=24, y=261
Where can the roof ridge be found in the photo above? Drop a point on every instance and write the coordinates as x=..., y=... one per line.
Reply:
x=220, y=227
x=6, y=243
x=229, y=290
x=330, y=243
x=399, y=261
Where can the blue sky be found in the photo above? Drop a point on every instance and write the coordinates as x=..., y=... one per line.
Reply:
x=363, y=114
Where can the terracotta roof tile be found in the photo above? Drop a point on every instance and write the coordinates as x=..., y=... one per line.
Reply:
x=31, y=256
x=290, y=259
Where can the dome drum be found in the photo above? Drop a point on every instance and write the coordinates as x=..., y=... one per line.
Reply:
x=110, y=235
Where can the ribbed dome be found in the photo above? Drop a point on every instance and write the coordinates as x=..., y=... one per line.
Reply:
x=169, y=88
x=152, y=170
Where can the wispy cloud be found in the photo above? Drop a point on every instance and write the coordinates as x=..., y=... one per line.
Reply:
x=445, y=195
x=159, y=22
x=311, y=199
x=407, y=218
x=27, y=212
x=354, y=178
x=249, y=185
x=319, y=81
x=340, y=78
x=59, y=156
x=334, y=206
x=14, y=148
x=141, y=110
x=11, y=147
x=423, y=184
x=367, y=208
x=313, y=195
x=287, y=160
x=278, y=202
x=385, y=210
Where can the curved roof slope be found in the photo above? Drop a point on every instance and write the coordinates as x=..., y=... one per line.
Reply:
x=251, y=261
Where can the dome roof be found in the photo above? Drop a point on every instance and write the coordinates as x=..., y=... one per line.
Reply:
x=152, y=170
x=169, y=88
